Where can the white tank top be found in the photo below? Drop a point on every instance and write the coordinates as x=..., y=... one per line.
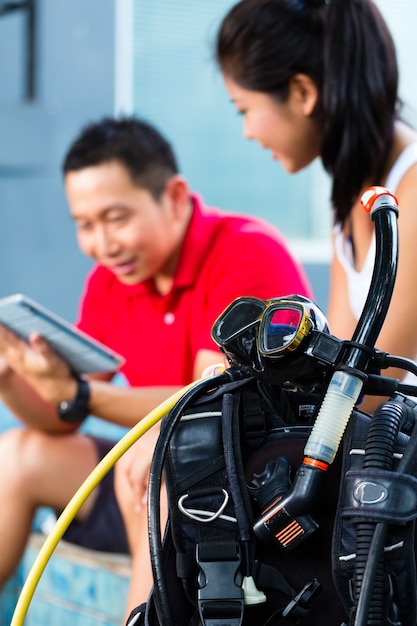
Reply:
x=359, y=282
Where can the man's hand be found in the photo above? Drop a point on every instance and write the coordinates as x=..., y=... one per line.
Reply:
x=214, y=370
x=37, y=364
x=5, y=370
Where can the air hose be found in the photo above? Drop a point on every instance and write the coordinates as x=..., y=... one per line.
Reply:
x=369, y=582
x=81, y=496
x=383, y=432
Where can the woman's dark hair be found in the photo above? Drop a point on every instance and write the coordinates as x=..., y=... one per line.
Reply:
x=345, y=47
x=146, y=154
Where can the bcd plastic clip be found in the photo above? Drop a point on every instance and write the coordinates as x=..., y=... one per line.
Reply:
x=220, y=594
x=297, y=609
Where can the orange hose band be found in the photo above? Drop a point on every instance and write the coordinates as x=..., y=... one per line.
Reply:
x=321, y=465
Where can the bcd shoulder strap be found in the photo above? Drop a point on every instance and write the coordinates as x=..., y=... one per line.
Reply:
x=211, y=514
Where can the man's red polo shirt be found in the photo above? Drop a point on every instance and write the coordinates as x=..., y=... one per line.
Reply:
x=224, y=255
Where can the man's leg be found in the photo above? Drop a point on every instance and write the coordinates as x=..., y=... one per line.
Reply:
x=136, y=525
x=38, y=469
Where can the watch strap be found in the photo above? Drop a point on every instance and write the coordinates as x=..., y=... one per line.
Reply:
x=76, y=410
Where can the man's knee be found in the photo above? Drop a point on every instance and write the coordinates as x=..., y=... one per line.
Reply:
x=22, y=452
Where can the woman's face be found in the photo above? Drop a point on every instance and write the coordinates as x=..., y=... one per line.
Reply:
x=288, y=128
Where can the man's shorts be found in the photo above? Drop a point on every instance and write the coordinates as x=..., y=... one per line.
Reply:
x=103, y=529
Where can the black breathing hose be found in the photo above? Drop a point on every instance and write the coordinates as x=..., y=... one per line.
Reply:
x=369, y=582
x=382, y=283
x=388, y=419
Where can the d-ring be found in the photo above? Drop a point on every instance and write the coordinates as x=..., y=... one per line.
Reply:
x=198, y=517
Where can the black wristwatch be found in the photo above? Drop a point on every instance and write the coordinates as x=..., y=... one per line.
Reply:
x=76, y=410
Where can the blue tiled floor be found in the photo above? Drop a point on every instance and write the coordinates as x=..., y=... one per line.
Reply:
x=78, y=587
x=8, y=598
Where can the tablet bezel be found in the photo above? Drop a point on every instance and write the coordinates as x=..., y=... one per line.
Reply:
x=84, y=354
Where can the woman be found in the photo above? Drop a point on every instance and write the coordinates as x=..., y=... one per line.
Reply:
x=320, y=79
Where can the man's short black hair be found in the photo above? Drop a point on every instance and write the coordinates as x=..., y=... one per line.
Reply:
x=146, y=154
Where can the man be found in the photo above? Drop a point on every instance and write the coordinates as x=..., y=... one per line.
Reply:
x=166, y=266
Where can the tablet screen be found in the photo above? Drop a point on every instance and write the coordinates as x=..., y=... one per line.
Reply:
x=83, y=353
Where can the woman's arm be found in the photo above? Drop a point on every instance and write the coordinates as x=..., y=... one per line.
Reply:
x=399, y=332
x=398, y=335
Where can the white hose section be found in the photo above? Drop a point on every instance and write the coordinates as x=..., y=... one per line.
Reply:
x=334, y=414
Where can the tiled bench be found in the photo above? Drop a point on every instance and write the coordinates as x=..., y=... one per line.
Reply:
x=78, y=587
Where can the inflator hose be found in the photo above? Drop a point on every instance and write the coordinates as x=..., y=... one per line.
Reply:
x=338, y=402
x=369, y=582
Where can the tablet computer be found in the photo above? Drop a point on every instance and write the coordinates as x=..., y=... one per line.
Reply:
x=83, y=353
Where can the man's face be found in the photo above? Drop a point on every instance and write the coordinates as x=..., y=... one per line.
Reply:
x=120, y=225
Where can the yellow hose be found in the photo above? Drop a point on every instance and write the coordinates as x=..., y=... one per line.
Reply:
x=81, y=496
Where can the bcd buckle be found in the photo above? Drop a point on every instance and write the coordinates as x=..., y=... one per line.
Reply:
x=220, y=594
